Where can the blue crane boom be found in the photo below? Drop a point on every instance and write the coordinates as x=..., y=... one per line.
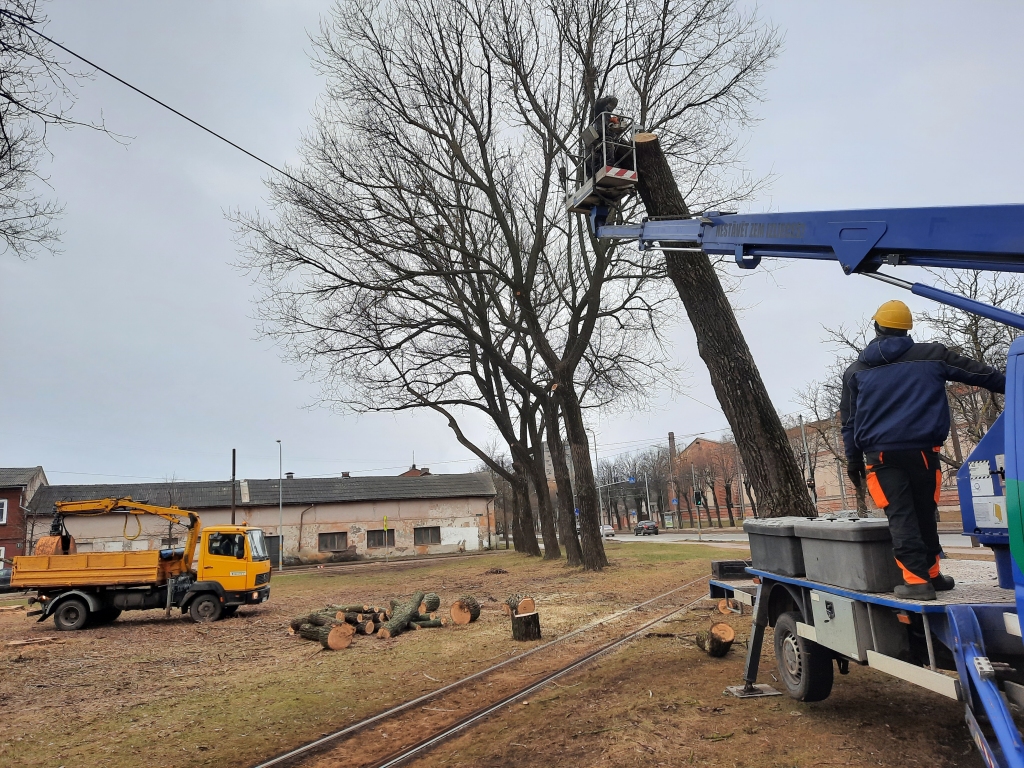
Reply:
x=982, y=237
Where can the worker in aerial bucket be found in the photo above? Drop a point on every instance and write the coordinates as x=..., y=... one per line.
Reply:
x=895, y=419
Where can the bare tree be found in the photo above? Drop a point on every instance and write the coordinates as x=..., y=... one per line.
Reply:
x=37, y=93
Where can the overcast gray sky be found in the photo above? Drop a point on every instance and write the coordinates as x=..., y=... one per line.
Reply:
x=134, y=352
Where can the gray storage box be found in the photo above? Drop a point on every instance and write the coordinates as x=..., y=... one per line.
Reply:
x=774, y=547
x=853, y=553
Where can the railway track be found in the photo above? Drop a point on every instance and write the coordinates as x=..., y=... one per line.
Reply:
x=317, y=753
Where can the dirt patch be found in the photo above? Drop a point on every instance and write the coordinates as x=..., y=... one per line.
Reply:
x=165, y=692
x=661, y=701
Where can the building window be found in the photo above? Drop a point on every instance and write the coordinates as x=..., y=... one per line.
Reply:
x=333, y=542
x=3, y=554
x=3, y=511
x=375, y=539
x=429, y=535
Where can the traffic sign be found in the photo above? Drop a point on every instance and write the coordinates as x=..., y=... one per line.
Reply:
x=632, y=479
x=675, y=501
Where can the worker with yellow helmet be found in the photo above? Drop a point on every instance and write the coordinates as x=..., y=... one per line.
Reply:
x=895, y=419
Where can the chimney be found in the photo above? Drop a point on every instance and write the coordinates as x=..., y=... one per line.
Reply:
x=289, y=475
x=345, y=474
x=425, y=471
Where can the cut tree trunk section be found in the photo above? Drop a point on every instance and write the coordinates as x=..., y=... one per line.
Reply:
x=716, y=641
x=465, y=610
x=431, y=602
x=518, y=604
x=401, y=617
x=332, y=638
x=764, y=447
x=526, y=626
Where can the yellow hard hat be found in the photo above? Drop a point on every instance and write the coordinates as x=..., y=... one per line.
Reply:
x=894, y=314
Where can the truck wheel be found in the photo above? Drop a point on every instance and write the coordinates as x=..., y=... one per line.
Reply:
x=71, y=614
x=205, y=608
x=804, y=666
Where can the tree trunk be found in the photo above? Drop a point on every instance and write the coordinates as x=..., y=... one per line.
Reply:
x=591, y=545
x=753, y=419
x=566, y=508
x=750, y=497
x=331, y=637
x=689, y=509
x=526, y=626
x=527, y=542
x=535, y=469
x=518, y=604
x=718, y=508
x=728, y=504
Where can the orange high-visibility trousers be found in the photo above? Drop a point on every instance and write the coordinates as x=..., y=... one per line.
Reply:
x=906, y=485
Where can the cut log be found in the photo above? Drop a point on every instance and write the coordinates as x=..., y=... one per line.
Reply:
x=32, y=641
x=332, y=638
x=518, y=604
x=401, y=617
x=351, y=608
x=465, y=610
x=428, y=624
x=717, y=640
x=367, y=627
x=431, y=602
x=728, y=605
x=526, y=626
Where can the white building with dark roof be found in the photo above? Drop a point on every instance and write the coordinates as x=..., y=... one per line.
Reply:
x=325, y=519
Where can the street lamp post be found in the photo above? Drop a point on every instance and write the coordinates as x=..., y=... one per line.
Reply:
x=597, y=462
x=280, y=506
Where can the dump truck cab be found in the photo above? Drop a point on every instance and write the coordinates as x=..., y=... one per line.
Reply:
x=233, y=565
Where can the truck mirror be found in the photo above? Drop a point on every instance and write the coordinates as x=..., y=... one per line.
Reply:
x=240, y=554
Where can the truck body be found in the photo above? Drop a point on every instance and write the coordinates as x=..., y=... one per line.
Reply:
x=232, y=568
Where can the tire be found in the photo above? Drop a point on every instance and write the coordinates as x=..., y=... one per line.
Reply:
x=71, y=615
x=656, y=531
x=805, y=668
x=205, y=608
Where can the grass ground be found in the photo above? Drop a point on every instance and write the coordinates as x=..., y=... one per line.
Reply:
x=160, y=692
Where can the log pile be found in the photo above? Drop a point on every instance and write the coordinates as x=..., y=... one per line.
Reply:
x=335, y=626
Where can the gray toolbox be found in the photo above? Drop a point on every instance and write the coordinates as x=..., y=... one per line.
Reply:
x=774, y=546
x=854, y=553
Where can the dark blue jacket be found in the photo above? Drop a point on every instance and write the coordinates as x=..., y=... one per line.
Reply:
x=894, y=396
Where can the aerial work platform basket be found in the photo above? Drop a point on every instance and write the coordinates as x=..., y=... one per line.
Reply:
x=605, y=169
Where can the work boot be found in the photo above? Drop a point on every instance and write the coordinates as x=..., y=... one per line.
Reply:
x=943, y=583
x=915, y=591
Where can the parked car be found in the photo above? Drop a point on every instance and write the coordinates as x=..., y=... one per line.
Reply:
x=607, y=531
x=5, y=581
x=645, y=528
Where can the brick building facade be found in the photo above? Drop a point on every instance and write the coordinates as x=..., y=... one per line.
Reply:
x=17, y=487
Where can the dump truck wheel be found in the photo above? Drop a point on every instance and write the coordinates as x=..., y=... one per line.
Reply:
x=71, y=614
x=205, y=608
x=804, y=666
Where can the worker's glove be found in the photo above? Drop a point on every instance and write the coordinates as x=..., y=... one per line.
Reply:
x=855, y=470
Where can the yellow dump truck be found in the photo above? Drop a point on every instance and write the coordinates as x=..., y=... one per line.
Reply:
x=77, y=589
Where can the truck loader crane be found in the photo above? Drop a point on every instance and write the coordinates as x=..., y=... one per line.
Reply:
x=967, y=644
x=77, y=589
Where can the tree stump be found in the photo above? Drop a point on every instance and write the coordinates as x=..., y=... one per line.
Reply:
x=465, y=610
x=431, y=602
x=526, y=626
x=716, y=641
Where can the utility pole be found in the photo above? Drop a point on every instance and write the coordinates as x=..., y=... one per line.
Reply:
x=280, y=506
x=232, y=486
x=696, y=499
x=597, y=469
